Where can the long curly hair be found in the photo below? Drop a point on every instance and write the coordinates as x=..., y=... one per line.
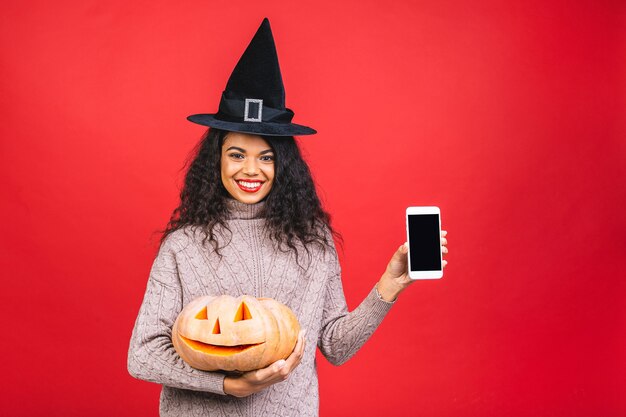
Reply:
x=293, y=211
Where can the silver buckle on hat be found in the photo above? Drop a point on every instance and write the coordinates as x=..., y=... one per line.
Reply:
x=259, y=116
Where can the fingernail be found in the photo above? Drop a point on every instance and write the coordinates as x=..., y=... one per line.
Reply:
x=280, y=363
x=303, y=332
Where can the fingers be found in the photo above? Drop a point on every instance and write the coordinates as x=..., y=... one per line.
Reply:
x=292, y=361
x=281, y=369
x=400, y=254
x=399, y=259
x=296, y=356
x=265, y=375
x=444, y=248
x=255, y=381
x=398, y=263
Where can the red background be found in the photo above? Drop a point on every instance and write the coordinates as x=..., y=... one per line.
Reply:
x=507, y=115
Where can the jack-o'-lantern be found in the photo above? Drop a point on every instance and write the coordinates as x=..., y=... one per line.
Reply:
x=228, y=333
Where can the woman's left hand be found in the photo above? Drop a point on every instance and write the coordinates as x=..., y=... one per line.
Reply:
x=396, y=278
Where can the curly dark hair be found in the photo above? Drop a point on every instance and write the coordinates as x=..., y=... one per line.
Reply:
x=293, y=211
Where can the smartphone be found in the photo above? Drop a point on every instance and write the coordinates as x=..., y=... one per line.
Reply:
x=423, y=230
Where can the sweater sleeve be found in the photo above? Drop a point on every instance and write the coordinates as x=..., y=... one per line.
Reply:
x=343, y=333
x=151, y=355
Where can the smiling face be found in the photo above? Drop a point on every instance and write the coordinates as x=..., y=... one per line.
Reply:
x=247, y=167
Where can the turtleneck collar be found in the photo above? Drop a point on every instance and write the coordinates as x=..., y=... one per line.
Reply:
x=239, y=210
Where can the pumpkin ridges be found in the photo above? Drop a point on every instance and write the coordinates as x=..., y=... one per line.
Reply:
x=289, y=327
x=272, y=343
x=252, y=333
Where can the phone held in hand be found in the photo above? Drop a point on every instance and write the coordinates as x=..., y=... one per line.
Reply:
x=423, y=229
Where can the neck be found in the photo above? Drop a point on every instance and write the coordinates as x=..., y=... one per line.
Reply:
x=239, y=210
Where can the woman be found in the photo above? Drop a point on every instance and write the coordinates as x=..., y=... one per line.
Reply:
x=250, y=222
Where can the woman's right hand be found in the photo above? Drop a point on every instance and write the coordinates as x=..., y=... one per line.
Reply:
x=255, y=381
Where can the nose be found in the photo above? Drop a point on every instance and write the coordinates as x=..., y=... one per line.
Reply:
x=250, y=167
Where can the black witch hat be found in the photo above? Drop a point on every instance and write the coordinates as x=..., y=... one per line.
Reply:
x=254, y=98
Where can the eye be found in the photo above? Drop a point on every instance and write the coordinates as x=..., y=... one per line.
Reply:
x=243, y=313
x=236, y=155
x=267, y=158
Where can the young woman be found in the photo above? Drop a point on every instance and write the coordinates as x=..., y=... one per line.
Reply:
x=250, y=222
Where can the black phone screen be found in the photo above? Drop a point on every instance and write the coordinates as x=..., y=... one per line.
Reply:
x=424, y=242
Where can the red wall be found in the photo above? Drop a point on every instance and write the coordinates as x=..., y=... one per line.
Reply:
x=508, y=115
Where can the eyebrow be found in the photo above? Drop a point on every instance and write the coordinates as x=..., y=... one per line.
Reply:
x=244, y=151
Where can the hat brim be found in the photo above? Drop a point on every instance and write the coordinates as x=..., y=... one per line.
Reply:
x=255, y=128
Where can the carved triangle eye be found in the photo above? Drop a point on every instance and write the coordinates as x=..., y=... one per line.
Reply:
x=216, y=328
x=202, y=315
x=243, y=313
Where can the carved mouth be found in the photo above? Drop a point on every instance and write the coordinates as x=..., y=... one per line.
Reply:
x=215, y=349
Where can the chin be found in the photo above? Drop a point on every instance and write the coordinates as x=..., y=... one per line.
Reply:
x=249, y=199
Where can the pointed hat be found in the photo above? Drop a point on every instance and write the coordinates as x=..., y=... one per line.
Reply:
x=254, y=98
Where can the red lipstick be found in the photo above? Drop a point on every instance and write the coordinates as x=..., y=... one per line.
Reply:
x=249, y=186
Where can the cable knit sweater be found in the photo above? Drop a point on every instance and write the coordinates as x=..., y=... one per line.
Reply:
x=251, y=264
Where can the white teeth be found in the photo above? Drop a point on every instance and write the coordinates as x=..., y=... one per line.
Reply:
x=249, y=184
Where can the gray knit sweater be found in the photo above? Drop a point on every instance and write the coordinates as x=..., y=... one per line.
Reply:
x=251, y=264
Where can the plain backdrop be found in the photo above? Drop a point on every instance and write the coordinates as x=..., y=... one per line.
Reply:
x=508, y=115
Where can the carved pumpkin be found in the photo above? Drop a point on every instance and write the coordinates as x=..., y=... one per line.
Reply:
x=228, y=333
